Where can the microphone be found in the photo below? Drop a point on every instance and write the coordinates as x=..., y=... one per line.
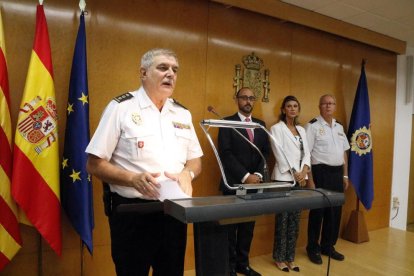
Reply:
x=212, y=110
x=266, y=177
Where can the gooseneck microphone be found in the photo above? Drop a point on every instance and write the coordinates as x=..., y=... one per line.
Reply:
x=212, y=110
x=266, y=177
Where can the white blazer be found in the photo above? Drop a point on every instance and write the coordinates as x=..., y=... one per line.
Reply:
x=291, y=148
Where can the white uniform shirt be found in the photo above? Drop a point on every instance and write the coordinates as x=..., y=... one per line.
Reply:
x=326, y=144
x=134, y=135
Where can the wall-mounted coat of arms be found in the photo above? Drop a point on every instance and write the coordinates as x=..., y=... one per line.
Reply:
x=252, y=77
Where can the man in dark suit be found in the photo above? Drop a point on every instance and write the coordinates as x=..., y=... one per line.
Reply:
x=242, y=164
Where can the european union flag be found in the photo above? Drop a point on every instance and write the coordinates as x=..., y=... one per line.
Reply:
x=76, y=185
x=360, y=165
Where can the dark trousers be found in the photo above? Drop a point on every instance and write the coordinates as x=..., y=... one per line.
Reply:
x=240, y=238
x=329, y=219
x=141, y=241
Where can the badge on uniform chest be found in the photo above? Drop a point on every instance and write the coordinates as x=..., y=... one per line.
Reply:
x=140, y=144
x=136, y=118
x=321, y=131
x=181, y=125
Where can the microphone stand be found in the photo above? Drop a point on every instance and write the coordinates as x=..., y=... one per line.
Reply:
x=266, y=177
x=241, y=189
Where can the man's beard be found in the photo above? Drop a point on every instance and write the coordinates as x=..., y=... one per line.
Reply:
x=246, y=108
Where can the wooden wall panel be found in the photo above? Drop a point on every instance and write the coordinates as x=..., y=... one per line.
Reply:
x=210, y=39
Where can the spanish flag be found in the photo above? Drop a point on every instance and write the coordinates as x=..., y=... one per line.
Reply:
x=10, y=241
x=35, y=179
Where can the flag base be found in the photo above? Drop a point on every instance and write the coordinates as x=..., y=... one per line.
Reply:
x=356, y=229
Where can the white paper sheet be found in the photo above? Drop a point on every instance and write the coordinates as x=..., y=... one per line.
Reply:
x=171, y=190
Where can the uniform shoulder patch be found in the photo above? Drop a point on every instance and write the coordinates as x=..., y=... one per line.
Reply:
x=123, y=97
x=313, y=120
x=179, y=104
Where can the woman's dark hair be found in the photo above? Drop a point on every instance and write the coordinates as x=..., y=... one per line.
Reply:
x=282, y=116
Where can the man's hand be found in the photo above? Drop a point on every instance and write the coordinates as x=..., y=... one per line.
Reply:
x=346, y=183
x=146, y=184
x=310, y=184
x=252, y=179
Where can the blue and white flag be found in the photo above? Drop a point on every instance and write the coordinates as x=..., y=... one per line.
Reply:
x=76, y=184
x=360, y=165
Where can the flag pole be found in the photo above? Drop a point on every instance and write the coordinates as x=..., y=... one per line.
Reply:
x=39, y=256
x=82, y=256
x=356, y=229
x=82, y=6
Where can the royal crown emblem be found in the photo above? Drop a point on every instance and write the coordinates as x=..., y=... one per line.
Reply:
x=38, y=123
x=252, y=77
x=361, y=142
x=252, y=62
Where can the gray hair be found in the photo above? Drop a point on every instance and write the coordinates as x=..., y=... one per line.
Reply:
x=148, y=58
x=326, y=95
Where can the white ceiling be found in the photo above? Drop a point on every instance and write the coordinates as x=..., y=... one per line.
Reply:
x=394, y=18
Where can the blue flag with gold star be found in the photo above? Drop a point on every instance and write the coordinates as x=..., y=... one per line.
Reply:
x=360, y=165
x=76, y=185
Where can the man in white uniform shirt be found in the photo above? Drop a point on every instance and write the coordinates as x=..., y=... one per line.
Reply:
x=328, y=145
x=143, y=138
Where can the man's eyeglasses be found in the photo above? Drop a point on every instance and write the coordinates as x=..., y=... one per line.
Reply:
x=327, y=104
x=245, y=98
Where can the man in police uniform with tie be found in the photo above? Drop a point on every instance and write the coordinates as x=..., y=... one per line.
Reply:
x=242, y=164
x=328, y=146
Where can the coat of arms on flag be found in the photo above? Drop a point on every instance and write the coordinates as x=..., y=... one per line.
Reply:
x=38, y=122
x=361, y=141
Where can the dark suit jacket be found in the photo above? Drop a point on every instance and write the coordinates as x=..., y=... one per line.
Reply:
x=237, y=155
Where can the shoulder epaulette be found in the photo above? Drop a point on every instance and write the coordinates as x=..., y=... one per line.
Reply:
x=313, y=120
x=177, y=103
x=123, y=97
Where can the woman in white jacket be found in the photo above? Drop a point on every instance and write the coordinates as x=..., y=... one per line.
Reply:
x=292, y=156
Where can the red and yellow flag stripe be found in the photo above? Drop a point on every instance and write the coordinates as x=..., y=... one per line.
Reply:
x=35, y=182
x=10, y=240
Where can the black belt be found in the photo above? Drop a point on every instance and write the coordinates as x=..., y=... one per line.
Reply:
x=327, y=166
x=139, y=206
